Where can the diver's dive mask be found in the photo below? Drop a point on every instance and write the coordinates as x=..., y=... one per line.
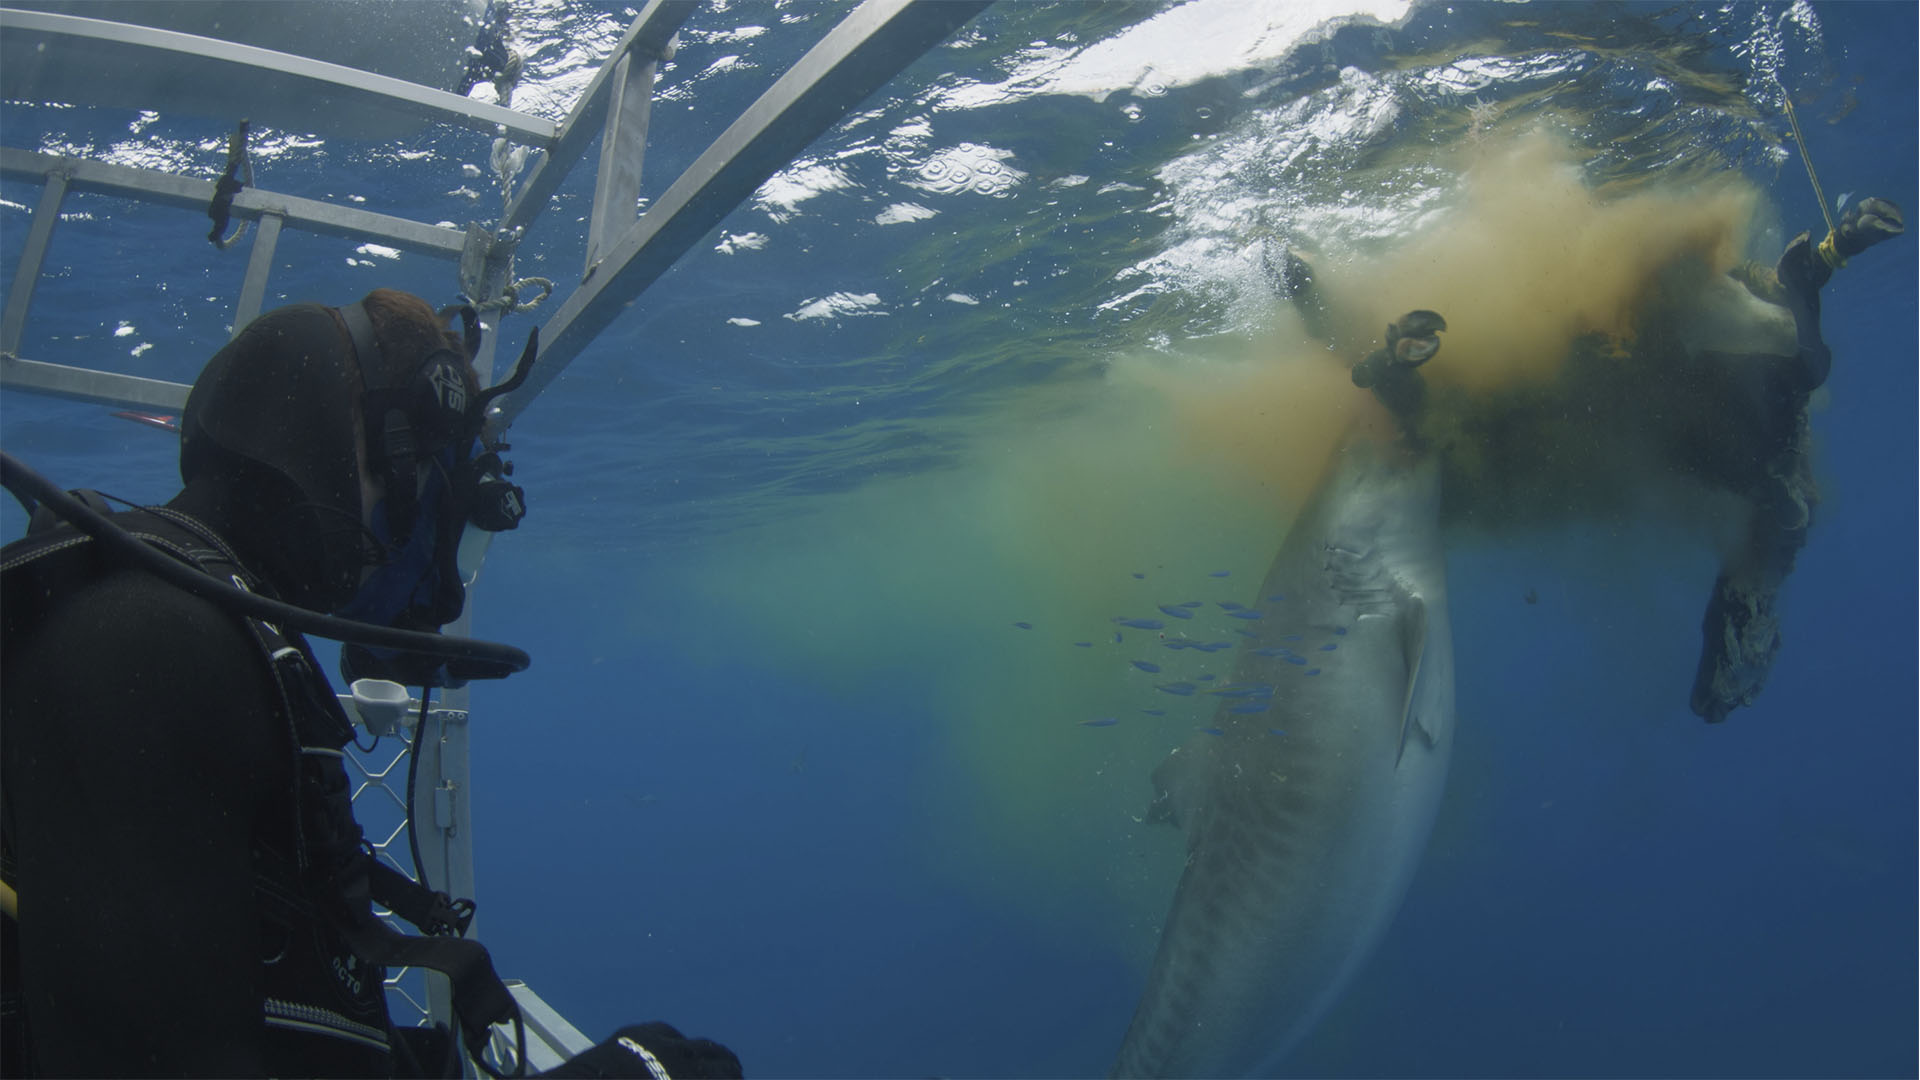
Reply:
x=426, y=438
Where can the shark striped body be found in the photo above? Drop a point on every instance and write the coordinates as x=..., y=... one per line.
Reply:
x=1301, y=843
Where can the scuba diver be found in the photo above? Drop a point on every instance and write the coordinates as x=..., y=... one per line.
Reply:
x=187, y=892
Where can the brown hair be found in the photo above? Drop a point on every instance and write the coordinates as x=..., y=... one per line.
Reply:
x=407, y=329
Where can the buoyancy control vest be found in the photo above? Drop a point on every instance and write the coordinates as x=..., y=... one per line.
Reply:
x=315, y=884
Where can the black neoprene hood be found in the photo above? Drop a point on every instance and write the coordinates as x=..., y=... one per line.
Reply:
x=281, y=395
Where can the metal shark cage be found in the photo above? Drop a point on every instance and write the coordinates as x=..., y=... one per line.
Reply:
x=51, y=55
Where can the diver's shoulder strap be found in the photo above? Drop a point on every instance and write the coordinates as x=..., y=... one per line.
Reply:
x=329, y=843
x=44, y=518
x=47, y=533
x=168, y=530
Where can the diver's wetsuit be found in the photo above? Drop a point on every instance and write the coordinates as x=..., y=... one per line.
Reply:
x=186, y=871
x=150, y=818
x=195, y=897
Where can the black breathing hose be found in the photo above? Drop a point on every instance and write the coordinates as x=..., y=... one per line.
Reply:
x=478, y=659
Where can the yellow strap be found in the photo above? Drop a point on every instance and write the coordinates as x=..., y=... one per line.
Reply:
x=1831, y=253
x=9, y=901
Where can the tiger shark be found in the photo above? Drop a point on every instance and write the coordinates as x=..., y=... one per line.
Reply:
x=1305, y=822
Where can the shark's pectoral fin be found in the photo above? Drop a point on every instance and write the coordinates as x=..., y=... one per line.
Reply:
x=1176, y=784
x=1413, y=644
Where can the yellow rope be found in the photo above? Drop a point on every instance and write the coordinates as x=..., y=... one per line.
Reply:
x=1826, y=248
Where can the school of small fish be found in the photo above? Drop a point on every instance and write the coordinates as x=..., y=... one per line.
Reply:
x=1246, y=698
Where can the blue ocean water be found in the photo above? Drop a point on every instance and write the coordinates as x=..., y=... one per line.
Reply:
x=786, y=773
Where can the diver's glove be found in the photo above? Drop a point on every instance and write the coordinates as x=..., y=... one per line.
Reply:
x=651, y=1051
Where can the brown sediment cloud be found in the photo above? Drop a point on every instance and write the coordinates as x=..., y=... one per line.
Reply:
x=995, y=584
x=1546, y=285
x=1532, y=259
